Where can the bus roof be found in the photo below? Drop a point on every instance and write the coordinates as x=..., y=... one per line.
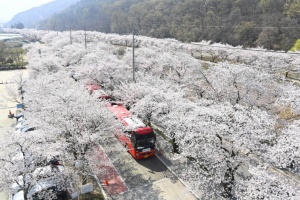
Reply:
x=118, y=110
x=132, y=123
x=92, y=87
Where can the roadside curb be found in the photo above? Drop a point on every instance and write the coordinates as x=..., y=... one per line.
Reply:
x=101, y=188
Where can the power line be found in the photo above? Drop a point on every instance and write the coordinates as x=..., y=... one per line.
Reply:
x=222, y=26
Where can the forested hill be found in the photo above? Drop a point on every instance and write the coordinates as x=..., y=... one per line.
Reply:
x=31, y=17
x=273, y=24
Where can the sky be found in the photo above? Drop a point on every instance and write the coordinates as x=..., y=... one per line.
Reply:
x=9, y=8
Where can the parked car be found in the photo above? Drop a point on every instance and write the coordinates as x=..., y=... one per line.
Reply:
x=24, y=128
x=17, y=116
x=18, y=196
x=40, y=189
x=21, y=124
x=47, y=184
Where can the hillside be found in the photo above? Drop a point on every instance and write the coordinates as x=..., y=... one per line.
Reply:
x=271, y=24
x=30, y=17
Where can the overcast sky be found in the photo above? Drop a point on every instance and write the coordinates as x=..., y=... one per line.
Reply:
x=9, y=8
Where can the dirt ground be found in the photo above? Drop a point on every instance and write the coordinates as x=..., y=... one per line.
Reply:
x=5, y=106
x=6, y=78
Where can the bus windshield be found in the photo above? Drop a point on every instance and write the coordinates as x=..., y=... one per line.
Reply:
x=145, y=140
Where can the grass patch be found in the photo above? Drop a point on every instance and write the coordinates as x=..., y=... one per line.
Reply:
x=96, y=194
x=161, y=133
x=293, y=75
x=91, y=196
x=205, y=66
x=288, y=114
x=207, y=58
x=121, y=51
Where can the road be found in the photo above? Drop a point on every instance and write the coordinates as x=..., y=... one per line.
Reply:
x=143, y=179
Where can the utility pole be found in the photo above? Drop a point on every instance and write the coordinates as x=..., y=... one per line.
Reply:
x=133, y=56
x=85, y=39
x=70, y=37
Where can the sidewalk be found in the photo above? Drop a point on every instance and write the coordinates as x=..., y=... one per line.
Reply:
x=108, y=176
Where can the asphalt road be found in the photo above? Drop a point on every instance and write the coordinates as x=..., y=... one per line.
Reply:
x=145, y=179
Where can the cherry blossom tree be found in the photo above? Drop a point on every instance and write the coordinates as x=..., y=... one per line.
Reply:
x=218, y=138
x=241, y=85
x=285, y=152
x=65, y=107
x=15, y=90
x=24, y=159
x=266, y=184
x=289, y=102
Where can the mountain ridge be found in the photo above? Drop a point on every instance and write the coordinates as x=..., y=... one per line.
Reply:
x=271, y=24
x=31, y=17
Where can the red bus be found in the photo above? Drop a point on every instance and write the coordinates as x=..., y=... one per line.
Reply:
x=138, y=138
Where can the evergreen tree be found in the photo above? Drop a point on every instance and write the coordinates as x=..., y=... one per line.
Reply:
x=18, y=25
x=296, y=46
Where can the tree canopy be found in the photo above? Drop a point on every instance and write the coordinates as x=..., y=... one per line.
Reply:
x=235, y=123
x=18, y=25
x=271, y=24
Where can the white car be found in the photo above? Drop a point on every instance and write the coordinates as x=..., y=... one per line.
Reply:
x=45, y=183
x=19, y=195
x=21, y=124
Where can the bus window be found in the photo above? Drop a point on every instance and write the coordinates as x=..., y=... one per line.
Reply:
x=132, y=139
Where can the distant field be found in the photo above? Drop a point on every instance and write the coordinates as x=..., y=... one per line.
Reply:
x=9, y=36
